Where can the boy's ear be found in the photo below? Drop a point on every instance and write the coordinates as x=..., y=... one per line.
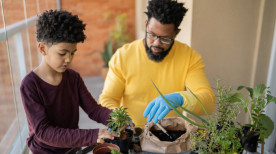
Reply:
x=42, y=48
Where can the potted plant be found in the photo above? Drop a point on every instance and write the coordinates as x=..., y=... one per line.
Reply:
x=106, y=148
x=119, y=120
x=106, y=56
x=114, y=150
x=116, y=38
x=217, y=134
x=261, y=126
x=221, y=134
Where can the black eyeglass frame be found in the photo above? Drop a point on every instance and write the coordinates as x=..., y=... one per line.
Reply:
x=163, y=39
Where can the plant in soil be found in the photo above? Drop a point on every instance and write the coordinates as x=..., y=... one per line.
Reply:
x=118, y=122
x=217, y=134
x=119, y=118
x=261, y=126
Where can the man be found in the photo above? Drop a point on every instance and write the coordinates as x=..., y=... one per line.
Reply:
x=171, y=65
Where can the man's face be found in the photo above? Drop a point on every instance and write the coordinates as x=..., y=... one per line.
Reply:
x=159, y=39
x=59, y=56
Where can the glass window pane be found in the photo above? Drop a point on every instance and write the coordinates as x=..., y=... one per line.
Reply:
x=18, y=56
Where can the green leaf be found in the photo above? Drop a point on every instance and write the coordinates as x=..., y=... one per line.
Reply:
x=271, y=99
x=259, y=90
x=240, y=87
x=267, y=124
x=185, y=118
x=250, y=90
x=199, y=102
x=190, y=112
x=236, y=97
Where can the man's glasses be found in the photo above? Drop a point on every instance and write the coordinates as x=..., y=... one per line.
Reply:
x=163, y=39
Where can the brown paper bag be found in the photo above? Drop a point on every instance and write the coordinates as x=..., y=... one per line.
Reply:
x=150, y=143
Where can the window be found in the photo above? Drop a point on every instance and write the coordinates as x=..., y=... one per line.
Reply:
x=18, y=55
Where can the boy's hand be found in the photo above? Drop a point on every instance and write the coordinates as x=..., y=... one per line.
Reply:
x=105, y=133
x=130, y=123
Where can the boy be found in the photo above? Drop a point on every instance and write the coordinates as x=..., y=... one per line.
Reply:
x=52, y=93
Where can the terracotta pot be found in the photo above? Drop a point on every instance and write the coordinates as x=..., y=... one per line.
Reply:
x=103, y=148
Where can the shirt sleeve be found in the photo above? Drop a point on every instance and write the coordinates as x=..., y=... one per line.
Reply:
x=90, y=106
x=114, y=84
x=198, y=83
x=46, y=132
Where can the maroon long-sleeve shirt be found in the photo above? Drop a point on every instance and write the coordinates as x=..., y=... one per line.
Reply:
x=53, y=113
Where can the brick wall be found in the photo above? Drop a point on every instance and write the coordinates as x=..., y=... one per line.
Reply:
x=97, y=29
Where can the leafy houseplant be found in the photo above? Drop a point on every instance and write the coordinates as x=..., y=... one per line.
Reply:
x=259, y=97
x=117, y=37
x=119, y=34
x=119, y=119
x=107, y=53
x=217, y=134
x=221, y=136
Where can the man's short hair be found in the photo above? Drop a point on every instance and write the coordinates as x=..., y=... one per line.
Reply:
x=166, y=11
x=55, y=26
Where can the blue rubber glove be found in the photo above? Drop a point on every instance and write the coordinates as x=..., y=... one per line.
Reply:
x=160, y=108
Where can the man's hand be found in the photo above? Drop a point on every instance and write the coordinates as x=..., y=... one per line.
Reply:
x=160, y=108
x=105, y=133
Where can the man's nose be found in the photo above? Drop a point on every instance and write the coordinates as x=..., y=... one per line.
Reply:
x=157, y=41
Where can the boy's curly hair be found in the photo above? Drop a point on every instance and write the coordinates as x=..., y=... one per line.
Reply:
x=166, y=11
x=55, y=26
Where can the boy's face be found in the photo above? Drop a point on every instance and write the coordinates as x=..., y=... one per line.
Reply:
x=58, y=56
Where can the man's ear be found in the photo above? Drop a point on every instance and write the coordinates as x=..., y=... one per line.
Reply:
x=177, y=31
x=146, y=23
x=42, y=48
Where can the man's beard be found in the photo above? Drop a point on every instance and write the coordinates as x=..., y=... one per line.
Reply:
x=158, y=57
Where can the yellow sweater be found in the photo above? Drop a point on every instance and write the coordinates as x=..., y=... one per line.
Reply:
x=128, y=81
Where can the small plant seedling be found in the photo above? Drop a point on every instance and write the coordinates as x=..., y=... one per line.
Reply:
x=119, y=118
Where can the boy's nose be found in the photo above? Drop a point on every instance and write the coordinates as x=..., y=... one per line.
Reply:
x=68, y=58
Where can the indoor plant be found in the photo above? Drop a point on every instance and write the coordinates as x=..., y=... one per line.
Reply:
x=118, y=122
x=116, y=38
x=218, y=133
x=261, y=126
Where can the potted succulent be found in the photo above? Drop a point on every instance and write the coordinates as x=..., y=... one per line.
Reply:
x=217, y=134
x=119, y=122
x=261, y=126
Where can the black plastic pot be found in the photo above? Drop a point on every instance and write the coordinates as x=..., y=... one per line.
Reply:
x=249, y=140
x=123, y=144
